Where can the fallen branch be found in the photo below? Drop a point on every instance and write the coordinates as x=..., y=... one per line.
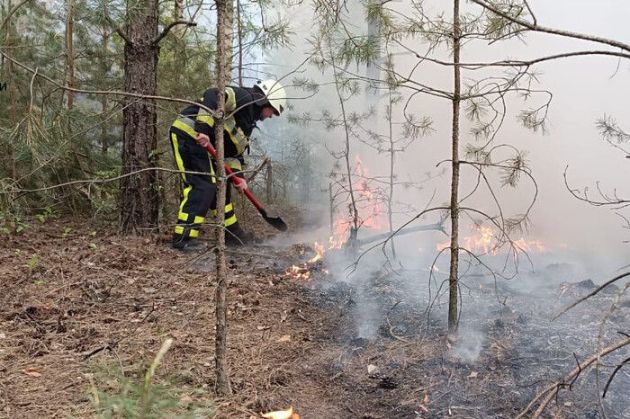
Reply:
x=552, y=390
x=595, y=291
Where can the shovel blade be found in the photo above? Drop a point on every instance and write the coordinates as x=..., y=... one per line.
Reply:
x=275, y=222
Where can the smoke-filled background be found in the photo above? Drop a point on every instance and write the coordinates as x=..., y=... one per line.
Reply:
x=584, y=90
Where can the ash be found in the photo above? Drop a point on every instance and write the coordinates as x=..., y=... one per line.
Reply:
x=507, y=351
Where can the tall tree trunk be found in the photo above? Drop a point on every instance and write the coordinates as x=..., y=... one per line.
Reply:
x=453, y=274
x=225, y=11
x=13, y=111
x=70, y=52
x=104, y=66
x=139, y=192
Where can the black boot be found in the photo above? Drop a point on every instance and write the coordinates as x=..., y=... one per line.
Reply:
x=186, y=244
x=236, y=236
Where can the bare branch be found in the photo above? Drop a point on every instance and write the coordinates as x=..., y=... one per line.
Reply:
x=606, y=200
x=117, y=29
x=168, y=28
x=560, y=32
x=592, y=293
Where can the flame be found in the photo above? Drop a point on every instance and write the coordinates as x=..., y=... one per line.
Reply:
x=282, y=414
x=299, y=272
x=304, y=271
x=370, y=207
x=341, y=232
x=319, y=253
x=485, y=241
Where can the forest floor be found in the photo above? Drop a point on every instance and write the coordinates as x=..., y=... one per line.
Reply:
x=83, y=311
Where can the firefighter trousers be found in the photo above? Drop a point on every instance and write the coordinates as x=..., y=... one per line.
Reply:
x=200, y=191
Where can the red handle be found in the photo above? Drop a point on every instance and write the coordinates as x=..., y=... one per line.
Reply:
x=235, y=179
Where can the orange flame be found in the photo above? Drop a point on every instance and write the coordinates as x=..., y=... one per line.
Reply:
x=319, y=253
x=371, y=206
x=485, y=241
x=304, y=271
x=282, y=414
x=341, y=232
x=299, y=272
x=371, y=210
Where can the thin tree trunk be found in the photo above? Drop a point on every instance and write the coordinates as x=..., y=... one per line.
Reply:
x=104, y=125
x=70, y=52
x=453, y=274
x=240, y=42
x=269, y=182
x=140, y=199
x=346, y=154
x=331, y=201
x=224, y=41
x=392, y=160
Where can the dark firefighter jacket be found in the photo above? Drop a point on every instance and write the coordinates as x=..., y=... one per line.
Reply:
x=242, y=113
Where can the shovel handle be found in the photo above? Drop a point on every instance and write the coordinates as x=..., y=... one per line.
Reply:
x=235, y=179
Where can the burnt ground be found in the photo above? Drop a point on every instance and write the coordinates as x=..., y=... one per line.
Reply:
x=83, y=312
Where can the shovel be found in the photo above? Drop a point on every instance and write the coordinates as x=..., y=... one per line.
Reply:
x=275, y=222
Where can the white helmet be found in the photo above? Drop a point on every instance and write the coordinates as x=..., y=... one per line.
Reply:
x=274, y=93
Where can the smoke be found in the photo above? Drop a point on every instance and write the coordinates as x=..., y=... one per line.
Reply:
x=581, y=242
x=469, y=345
x=583, y=89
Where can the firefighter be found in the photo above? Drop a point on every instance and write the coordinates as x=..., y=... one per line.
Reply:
x=244, y=107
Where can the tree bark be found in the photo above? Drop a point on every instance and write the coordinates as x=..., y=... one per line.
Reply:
x=104, y=68
x=13, y=114
x=224, y=42
x=453, y=273
x=240, y=42
x=139, y=192
x=70, y=52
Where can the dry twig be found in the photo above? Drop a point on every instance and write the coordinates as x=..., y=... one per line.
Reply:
x=552, y=390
